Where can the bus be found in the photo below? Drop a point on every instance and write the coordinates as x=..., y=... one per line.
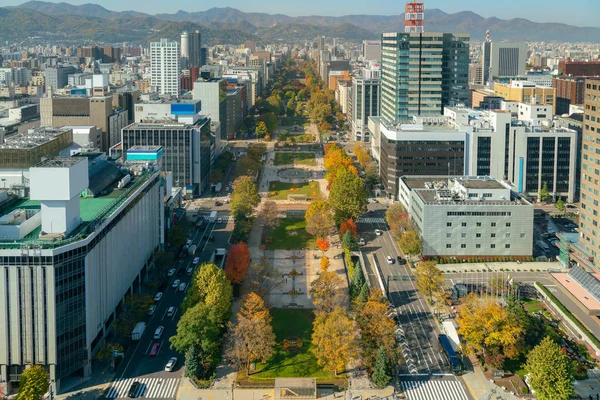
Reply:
x=213, y=217
x=454, y=361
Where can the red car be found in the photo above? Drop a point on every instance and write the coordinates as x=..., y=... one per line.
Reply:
x=155, y=348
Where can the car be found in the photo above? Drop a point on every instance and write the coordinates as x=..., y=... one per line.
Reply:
x=189, y=242
x=390, y=260
x=218, y=203
x=154, y=350
x=158, y=296
x=190, y=270
x=219, y=220
x=196, y=260
x=171, y=364
x=133, y=389
x=171, y=272
x=378, y=232
x=401, y=260
x=361, y=242
x=211, y=238
x=182, y=287
x=158, y=332
x=176, y=283
x=170, y=311
x=151, y=310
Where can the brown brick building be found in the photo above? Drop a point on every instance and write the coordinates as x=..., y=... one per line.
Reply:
x=569, y=90
x=579, y=68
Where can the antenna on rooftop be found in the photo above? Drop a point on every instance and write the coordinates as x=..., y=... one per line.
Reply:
x=414, y=17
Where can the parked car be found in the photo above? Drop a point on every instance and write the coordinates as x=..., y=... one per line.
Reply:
x=390, y=260
x=151, y=310
x=176, y=283
x=170, y=311
x=378, y=232
x=171, y=272
x=219, y=220
x=133, y=389
x=361, y=242
x=154, y=350
x=401, y=260
x=158, y=296
x=171, y=364
x=218, y=203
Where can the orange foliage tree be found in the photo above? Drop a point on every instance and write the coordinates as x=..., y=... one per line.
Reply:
x=348, y=225
x=324, y=263
x=322, y=244
x=238, y=260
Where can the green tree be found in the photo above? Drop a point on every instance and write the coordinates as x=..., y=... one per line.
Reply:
x=177, y=236
x=349, y=241
x=429, y=279
x=560, y=204
x=199, y=326
x=134, y=309
x=244, y=197
x=380, y=375
x=261, y=129
x=163, y=261
x=247, y=166
x=33, y=383
x=358, y=280
x=215, y=176
x=550, y=371
x=544, y=194
x=410, y=243
x=319, y=219
x=210, y=286
x=192, y=362
x=347, y=196
x=105, y=351
x=363, y=297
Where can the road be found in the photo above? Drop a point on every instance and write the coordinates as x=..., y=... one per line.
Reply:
x=138, y=365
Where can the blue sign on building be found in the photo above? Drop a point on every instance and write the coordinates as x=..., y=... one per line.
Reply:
x=185, y=108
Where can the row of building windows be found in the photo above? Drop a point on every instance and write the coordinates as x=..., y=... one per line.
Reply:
x=477, y=246
x=479, y=214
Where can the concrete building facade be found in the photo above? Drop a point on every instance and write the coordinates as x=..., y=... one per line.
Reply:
x=164, y=64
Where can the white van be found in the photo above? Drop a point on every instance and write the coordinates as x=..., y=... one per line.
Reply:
x=158, y=332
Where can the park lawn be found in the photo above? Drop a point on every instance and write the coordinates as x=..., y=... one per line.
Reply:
x=280, y=237
x=291, y=323
x=280, y=190
x=294, y=158
x=289, y=121
x=532, y=306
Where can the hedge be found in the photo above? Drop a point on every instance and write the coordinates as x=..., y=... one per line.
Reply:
x=568, y=314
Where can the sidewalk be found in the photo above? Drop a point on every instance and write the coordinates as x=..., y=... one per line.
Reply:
x=482, y=389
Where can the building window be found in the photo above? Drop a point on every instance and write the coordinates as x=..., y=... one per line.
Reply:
x=493, y=235
x=508, y=224
x=463, y=246
x=492, y=246
x=493, y=224
x=463, y=235
x=464, y=224
x=478, y=235
x=448, y=223
x=478, y=224
x=507, y=235
x=507, y=246
x=448, y=235
x=448, y=246
x=477, y=246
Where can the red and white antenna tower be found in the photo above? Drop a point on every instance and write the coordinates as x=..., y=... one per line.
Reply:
x=414, y=17
x=488, y=38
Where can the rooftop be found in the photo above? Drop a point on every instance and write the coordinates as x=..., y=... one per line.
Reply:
x=33, y=138
x=58, y=162
x=430, y=196
x=472, y=183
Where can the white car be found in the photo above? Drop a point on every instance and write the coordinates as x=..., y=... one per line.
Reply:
x=182, y=287
x=171, y=364
x=361, y=242
x=151, y=310
x=158, y=296
x=196, y=260
x=390, y=260
x=190, y=270
x=171, y=272
x=176, y=283
x=170, y=311
x=189, y=242
x=378, y=232
x=219, y=220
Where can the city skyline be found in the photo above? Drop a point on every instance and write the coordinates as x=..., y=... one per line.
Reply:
x=535, y=11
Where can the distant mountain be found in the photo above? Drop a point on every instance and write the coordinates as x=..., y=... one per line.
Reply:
x=282, y=27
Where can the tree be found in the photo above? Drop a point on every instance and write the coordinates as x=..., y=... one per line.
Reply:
x=135, y=307
x=319, y=219
x=322, y=244
x=398, y=220
x=106, y=351
x=357, y=282
x=324, y=263
x=210, y=286
x=347, y=196
x=380, y=376
x=215, y=176
x=429, y=279
x=163, y=260
x=377, y=330
x=410, y=243
x=327, y=292
x=350, y=226
x=177, y=236
x=362, y=156
x=244, y=197
x=33, y=383
x=363, y=296
x=335, y=340
x=485, y=324
x=269, y=214
x=261, y=129
x=560, y=204
x=247, y=166
x=349, y=241
x=544, y=193
x=263, y=278
x=199, y=326
x=549, y=371
x=251, y=336
x=192, y=362
x=238, y=261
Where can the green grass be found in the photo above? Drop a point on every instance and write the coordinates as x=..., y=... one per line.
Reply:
x=280, y=237
x=290, y=323
x=282, y=158
x=533, y=306
x=289, y=121
x=516, y=366
x=282, y=189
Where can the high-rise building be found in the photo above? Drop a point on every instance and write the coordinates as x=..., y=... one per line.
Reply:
x=366, y=102
x=164, y=63
x=422, y=72
x=569, y=91
x=579, y=68
x=185, y=45
x=321, y=43
x=371, y=50
x=58, y=77
x=504, y=59
x=590, y=185
x=212, y=93
x=195, y=49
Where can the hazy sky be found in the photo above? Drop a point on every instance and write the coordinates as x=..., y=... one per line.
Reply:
x=572, y=12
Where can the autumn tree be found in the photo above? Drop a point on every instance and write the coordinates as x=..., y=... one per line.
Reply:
x=410, y=243
x=347, y=196
x=324, y=263
x=319, y=219
x=251, y=337
x=429, y=279
x=210, y=286
x=33, y=383
x=350, y=226
x=550, y=371
x=377, y=330
x=244, y=197
x=247, y=166
x=238, y=260
x=269, y=214
x=263, y=277
x=322, y=244
x=261, y=129
x=327, y=292
x=362, y=156
x=398, y=220
x=335, y=340
x=485, y=324
x=560, y=204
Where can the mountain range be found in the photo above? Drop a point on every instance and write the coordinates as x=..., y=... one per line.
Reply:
x=229, y=25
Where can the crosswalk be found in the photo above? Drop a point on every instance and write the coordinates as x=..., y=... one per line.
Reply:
x=223, y=217
x=433, y=389
x=368, y=220
x=150, y=388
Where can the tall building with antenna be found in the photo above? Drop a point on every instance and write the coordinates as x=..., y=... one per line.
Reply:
x=414, y=17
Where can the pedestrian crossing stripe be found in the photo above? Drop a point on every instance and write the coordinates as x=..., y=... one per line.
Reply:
x=371, y=220
x=223, y=217
x=433, y=390
x=150, y=388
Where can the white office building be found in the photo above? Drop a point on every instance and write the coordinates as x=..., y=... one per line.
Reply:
x=164, y=59
x=504, y=59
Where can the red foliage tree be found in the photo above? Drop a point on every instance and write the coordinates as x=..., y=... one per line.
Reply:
x=322, y=244
x=238, y=260
x=348, y=225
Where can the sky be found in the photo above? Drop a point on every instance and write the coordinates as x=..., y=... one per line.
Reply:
x=572, y=12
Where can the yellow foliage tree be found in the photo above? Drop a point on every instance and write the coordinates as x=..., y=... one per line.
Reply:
x=377, y=330
x=335, y=340
x=429, y=279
